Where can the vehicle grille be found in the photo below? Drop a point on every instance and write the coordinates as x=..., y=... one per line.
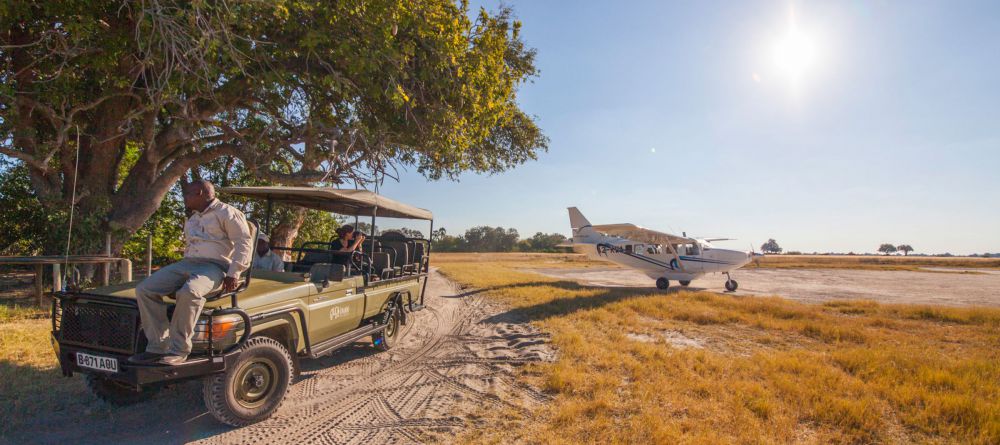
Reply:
x=100, y=326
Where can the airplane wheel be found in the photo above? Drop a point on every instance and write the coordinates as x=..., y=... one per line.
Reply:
x=684, y=283
x=662, y=283
x=732, y=285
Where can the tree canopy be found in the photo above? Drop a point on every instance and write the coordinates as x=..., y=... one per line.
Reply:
x=345, y=92
x=905, y=248
x=495, y=239
x=887, y=248
x=771, y=246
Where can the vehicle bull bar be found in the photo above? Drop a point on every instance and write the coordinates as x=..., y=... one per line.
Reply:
x=214, y=361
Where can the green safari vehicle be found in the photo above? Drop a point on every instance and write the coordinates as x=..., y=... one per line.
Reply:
x=248, y=343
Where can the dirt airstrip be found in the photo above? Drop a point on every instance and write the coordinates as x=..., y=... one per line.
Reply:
x=938, y=286
x=454, y=359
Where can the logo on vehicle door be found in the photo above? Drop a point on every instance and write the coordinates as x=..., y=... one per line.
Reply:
x=338, y=311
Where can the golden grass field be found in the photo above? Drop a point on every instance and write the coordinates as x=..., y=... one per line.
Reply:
x=701, y=367
x=872, y=262
x=30, y=381
x=680, y=367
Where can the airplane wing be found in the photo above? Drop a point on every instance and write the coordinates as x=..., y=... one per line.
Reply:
x=642, y=234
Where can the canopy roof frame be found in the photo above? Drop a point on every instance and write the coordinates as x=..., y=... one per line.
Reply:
x=342, y=201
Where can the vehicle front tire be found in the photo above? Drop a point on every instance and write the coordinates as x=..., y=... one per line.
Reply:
x=254, y=387
x=385, y=340
x=732, y=285
x=685, y=282
x=117, y=393
x=662, y=283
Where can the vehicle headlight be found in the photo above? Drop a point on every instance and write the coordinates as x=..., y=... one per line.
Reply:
x=223, y=326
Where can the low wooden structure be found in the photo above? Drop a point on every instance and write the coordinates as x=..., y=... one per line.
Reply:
x=56, y=262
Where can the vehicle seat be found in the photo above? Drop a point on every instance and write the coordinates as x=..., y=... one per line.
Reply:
x=321, y=272
x=380, y=265
x=418, y=255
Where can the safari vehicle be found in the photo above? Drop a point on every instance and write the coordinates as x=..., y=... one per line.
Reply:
x=248, y=343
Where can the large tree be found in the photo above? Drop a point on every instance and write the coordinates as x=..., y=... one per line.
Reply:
x=310, y=91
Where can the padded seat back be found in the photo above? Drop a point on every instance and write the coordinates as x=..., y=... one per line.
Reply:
x=326, y=272
x=403, y=254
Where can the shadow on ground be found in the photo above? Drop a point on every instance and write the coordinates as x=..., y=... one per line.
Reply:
x=175, y=415
x=558, y=307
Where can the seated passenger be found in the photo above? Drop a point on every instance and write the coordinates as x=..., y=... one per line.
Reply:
x=348, y=239
x=266, y=258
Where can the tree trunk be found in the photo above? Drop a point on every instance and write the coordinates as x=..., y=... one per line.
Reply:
x=287, y=229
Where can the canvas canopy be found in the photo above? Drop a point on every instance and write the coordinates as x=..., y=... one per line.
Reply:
x=342, y=201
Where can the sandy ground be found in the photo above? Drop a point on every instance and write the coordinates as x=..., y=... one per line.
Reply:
x=455, y=358
x=941, y=287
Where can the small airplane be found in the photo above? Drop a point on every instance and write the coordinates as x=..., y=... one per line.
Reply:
x=659, y=255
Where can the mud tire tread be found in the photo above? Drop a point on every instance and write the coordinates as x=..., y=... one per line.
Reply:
x=216, y=392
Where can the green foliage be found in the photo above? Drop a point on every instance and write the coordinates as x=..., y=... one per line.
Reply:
x=167, y=228
x=318, y=226
x=771, y=246
x=905, y=248
x=887, y=248
x=495, y=239
x=541, y=242
x=296, y=93
x=24, y=224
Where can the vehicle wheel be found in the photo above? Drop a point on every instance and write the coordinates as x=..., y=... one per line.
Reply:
x=385, y=340
x=662, y=283
x=732, y=285
x=685, y=282
x=118, y=393
x=252, y=389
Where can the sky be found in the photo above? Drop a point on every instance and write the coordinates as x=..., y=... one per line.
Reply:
x=828, y=126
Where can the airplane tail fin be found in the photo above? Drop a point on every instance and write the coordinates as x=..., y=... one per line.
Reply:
x=579, y=223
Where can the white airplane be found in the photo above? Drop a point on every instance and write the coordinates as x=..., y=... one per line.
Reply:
x=659, y=255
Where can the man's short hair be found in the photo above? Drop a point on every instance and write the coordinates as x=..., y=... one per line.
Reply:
x=201, y=184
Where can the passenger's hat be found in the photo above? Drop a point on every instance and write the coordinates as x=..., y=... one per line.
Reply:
x=263, y=237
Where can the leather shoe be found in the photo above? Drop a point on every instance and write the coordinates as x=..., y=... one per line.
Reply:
x=172, y=359
x=145, y=357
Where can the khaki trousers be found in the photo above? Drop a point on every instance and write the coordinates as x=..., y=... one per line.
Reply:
x=190, y=280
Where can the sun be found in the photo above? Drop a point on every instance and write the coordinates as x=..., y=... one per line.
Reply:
x=795, y=53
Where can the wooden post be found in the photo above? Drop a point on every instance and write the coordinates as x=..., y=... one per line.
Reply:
x=125, y=270
x=106, y=279
x=56, y=277
x=39, y=285
x=149, y=254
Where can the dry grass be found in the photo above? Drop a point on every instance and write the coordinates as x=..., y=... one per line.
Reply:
x=30, y=381
x=871, y=262
x=698, y=367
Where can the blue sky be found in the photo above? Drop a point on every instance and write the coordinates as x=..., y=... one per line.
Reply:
x=678, y=116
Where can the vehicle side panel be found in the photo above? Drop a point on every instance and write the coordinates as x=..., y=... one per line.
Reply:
x=335, y=310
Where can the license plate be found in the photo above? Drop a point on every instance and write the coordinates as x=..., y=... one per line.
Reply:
x=96, y=362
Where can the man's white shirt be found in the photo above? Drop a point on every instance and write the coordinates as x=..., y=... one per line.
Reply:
x=219, y=233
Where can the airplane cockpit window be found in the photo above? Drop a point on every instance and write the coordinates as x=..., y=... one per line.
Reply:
x=628, y=248
x=651, y=250
x=694, y=249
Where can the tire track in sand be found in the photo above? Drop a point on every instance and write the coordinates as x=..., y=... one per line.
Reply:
x=448, y=363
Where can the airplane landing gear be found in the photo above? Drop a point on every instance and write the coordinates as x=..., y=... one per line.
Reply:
x=684, y=282
x=731, y=284
x=662, y=283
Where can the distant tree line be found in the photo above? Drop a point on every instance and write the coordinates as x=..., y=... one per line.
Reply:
x=889, y=249
x=495, y=239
